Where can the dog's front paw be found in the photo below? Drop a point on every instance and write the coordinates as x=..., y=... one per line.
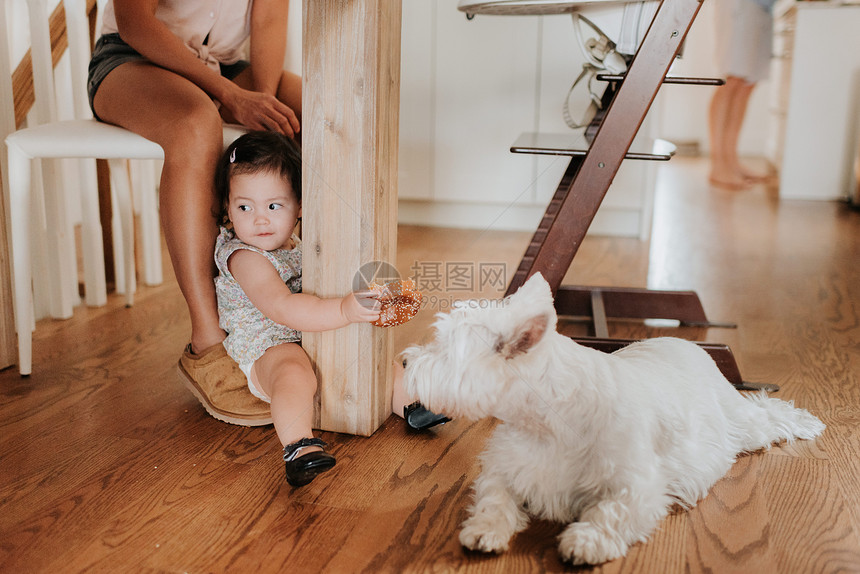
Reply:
x=484, y=535
x=584, y=543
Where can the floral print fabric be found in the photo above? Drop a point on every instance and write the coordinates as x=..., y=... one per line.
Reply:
x=249, y=332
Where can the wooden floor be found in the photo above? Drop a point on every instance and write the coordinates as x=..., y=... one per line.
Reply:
x=107, y=464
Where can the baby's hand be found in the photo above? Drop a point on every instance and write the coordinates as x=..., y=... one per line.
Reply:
x=360, y=307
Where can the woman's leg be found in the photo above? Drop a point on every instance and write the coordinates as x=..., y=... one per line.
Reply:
x=723, y=173
x=736, y=114
x=741, y=106
x=173, y=112
x=290, y=92
x=726, y=117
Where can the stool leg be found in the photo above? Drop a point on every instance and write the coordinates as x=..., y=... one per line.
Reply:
x=64, y=222
x=91, y=237
x=20, y=199
x=145, y=189
x=60, y=245
x=120, y=185
x=38, y=240
x=117, y=239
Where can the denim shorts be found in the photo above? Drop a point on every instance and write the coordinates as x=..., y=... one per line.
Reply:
x=111, y=51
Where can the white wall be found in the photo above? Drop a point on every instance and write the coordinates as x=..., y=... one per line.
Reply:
x=468, y=90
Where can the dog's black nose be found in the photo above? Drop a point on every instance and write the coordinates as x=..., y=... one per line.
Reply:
x=404, y=363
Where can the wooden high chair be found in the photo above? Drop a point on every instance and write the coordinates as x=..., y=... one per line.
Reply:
x=595, y=158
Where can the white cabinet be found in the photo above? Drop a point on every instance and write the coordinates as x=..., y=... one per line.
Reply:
x=815, y=100
x=468, y=90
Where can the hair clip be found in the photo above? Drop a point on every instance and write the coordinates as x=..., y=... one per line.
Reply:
x=233, y=156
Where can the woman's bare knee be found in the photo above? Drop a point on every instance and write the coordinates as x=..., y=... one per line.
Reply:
x=199, y=129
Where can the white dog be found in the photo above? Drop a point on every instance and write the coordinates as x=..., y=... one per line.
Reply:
x=604, y=442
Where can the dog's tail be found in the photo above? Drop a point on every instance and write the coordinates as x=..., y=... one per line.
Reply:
x=773, y=420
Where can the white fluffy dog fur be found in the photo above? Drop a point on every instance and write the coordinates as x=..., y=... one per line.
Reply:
x=606, y=443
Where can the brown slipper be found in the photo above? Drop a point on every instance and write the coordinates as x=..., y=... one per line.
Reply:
x=222, y=388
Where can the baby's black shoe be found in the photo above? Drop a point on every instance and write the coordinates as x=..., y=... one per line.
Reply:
x=302, y=469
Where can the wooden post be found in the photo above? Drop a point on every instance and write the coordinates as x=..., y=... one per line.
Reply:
x=350, y=114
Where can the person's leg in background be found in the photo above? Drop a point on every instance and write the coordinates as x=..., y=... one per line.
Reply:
x=726, y=117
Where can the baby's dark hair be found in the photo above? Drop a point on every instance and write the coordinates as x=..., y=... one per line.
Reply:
x=258, y=152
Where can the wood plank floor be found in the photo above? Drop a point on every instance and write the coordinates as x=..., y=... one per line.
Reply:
x=107, y=464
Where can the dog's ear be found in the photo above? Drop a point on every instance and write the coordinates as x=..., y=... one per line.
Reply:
x=524, y=337
x=535, y=291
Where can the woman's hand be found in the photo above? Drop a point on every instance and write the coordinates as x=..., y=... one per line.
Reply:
x=260, y=111
x=360, y=307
